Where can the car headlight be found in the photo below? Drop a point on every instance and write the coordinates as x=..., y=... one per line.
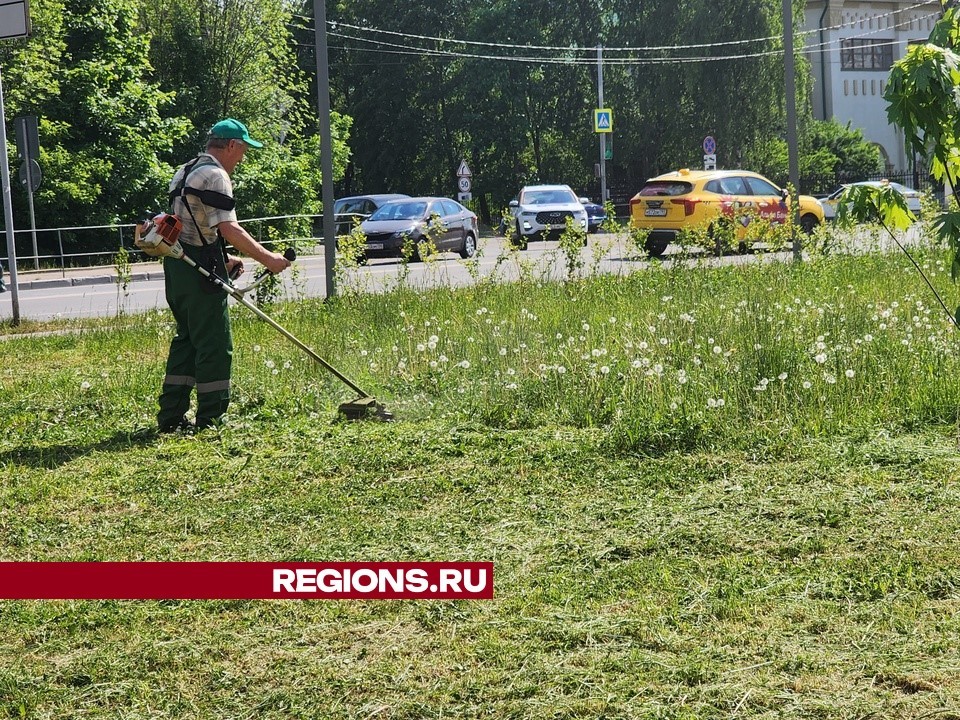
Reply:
x=405, y=232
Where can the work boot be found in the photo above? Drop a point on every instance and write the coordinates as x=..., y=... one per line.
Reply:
x=177, y=425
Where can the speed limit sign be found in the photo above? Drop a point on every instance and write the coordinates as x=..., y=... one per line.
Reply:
x=464, y=184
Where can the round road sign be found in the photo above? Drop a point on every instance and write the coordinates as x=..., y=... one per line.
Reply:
x=464, y=184
x=709, y=145
x=35, y=175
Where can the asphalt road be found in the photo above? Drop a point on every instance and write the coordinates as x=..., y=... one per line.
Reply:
x=94, y=292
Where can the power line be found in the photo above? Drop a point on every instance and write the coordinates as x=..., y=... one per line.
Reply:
x=401, y=49
x=334, y=24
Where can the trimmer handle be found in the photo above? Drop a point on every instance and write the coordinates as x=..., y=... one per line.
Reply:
x=290, y=254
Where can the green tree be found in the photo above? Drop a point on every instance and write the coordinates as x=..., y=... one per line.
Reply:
x=84, y=74
x=922, y=100
x=237, y=58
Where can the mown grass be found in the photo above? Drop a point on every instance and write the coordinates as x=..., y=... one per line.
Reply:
x=787, y=552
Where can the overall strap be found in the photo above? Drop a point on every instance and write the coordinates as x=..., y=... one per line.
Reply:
x=207, y=197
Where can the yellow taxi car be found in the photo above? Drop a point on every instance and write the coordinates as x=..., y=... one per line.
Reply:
x=683, y=199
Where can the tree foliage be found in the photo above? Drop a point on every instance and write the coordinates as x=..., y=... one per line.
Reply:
x=125, y=90
x=417, y=112
x=101, y=120
x=924, y=100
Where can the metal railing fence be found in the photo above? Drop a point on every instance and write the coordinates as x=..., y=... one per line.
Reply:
x=91, y=245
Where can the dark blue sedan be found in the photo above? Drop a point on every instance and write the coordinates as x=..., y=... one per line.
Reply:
x=596, y=215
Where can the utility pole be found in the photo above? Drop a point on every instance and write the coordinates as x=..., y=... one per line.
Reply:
x=790, y=91
x=8, y=215
x=603, y=136
x=326, y=144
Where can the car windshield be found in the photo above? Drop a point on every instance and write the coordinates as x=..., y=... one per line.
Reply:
x=400, y=211
x=547, y=197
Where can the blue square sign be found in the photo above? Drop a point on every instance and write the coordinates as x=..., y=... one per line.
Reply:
x=603, y=120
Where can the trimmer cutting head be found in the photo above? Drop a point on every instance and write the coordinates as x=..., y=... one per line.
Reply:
x=365, y=408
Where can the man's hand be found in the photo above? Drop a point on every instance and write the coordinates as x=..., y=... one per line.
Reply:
x=234, y=267
x=275, y=263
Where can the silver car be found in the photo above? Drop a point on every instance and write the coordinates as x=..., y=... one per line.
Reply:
x=540, y=212
x=831, y=202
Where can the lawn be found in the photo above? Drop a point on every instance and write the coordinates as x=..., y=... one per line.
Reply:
x=707, y=493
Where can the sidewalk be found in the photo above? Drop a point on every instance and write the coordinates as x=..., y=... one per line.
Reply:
x=30, y=279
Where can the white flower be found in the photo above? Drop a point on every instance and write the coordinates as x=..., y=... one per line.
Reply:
x=849, y=373
x=717, y=349
x=821, y=358
x=561, y=370
x=711, y=402
x=782, y=376
x=643, y=345
x=612, y=320
x=636, y=364
x=604, y=370
x=434, y=339
x=664, y=341
x=465, y=364
x=433, y=364
x=256, y=348
x=270, y=364
x=84, y=385
x=806, y=385
x=421, y=347
x=585, y=327
x=443, y=358
x=829, y=378
x=511, y=371
x=503, y=351
x=868, y=338
x=511, y=386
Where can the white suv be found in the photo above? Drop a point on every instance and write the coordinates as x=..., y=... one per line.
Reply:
x=540, y=212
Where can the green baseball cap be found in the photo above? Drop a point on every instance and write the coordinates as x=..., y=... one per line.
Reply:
x=231, y=129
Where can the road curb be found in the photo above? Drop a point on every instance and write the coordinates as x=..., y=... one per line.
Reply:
x=39, y=284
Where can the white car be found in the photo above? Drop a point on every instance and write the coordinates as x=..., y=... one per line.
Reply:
x=909, y=194
x=540, y=212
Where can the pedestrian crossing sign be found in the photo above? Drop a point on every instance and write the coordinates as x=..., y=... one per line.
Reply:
x=603, y=120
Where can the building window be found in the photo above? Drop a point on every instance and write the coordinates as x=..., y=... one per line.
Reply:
x=860, y=54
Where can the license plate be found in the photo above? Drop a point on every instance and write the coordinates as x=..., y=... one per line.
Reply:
x=655, y=212
x=555, y=226
x=374, y=246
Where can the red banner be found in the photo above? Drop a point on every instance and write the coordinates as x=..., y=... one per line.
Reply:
x=246, y=581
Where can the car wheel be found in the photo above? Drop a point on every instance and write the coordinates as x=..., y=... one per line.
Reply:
x=809, y=223
x=469, y=248
x=417, y=255
x=520, y=240
x=656, y=248
x=719, y=230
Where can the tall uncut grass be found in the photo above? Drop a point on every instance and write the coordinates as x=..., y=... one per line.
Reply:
x=665, y=358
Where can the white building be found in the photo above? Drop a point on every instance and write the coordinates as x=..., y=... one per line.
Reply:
x=851, y=45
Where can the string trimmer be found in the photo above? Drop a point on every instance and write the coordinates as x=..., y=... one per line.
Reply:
x=160, y=238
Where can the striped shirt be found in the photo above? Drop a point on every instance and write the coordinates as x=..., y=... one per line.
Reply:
x=208, y=174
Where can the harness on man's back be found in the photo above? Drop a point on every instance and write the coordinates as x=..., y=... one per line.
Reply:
x=211, y=198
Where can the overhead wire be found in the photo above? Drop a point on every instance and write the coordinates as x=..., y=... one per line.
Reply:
x=402, y=49
x=335, y=24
